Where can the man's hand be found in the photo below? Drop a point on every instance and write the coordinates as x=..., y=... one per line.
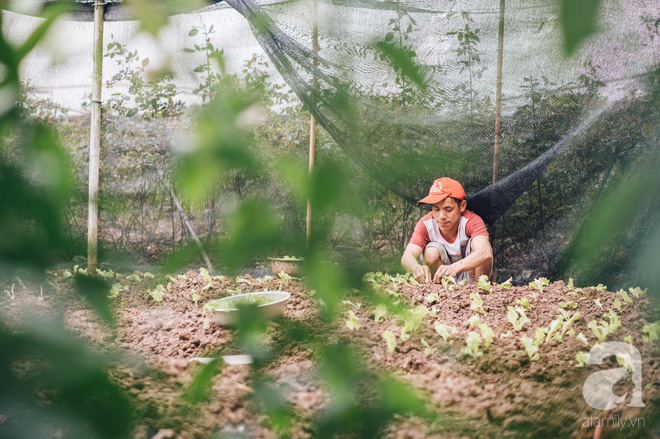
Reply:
x=422, y=274
x=445, y=270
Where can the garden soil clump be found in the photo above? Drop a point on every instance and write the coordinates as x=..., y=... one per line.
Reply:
x=497, y=388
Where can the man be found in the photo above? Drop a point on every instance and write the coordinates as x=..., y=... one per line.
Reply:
x=454, y=241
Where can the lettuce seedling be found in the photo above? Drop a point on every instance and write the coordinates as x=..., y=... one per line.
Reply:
x=390, y=340
x=204, y=288
x=352, y=321
x=581, y=358
x=625, y=296
x=195, y=296
x=600, y=331
x=487, y=334
x=379, y=312
x=653, y=332
x=539, y=283
x=284, y=276
x=613, y=317
x=133, y=278
x=617, y=304
x=392, y=293
x=506, y=335
x=628, y=339
x=10, y=293
x=477, y=303
x=636, y=292
x=582, y=338
x=525, y=302
x=116, y=289
x=148, y=275
x=531, y=350
x=625, y=360
x=559, y=336
x=569, y=305
x=354, y=305
x=67, y=274
x=474, y=320
x=600, y=287
x=432, y=298
x=109, y=274
x=412, y=319
x=242, y=280
x=21, y=284
x=205, y=274
x=554, y=325
x=445, y=331
x=463, y=282
x=517, y=317
x=597, y=302
x=507, y=284
x=449, y=283
x=428, y=350
x=157, y=293
x=539, y=336
x=472, y=341
x=484, y=283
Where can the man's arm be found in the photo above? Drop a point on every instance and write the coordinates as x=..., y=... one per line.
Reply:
x=480, y=254
x=421, y=273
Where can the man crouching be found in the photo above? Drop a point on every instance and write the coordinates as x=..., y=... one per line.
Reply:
x=454, y=241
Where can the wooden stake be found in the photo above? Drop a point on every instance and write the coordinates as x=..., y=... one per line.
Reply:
x=95, y=141
x=185, y=219
x=312, y=123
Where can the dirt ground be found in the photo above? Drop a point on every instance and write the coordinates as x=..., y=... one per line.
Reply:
x=500, y=393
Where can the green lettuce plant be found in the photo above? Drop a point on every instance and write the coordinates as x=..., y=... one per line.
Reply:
x=539, y=283
x=157, y=293
x=581, y=358
x=352, y=321
x=477, y=303
x=484, y=283
x=445, y=331
x=390, y=340
x=506, y=284
x=379, y=312
x=652, y=332
x=531, y=350
x=517, y=317
x=472, y=344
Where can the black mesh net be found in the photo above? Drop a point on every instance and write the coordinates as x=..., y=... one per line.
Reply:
x=408, y=90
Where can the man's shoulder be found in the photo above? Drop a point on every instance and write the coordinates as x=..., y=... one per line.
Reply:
x=426, y=217
x=468, y=214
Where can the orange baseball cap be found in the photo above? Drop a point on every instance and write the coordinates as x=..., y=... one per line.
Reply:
x=442, y=188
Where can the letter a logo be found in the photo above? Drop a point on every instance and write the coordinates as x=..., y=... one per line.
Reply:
x=597, y=390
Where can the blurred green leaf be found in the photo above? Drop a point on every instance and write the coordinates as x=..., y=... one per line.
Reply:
x=96, y=290
x=578, y=21
x=402, y=61
x=254, y=230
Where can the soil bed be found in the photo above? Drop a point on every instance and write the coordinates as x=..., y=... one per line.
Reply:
x=499, y=393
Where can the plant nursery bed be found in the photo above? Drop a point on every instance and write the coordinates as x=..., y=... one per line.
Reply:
x=517, y=369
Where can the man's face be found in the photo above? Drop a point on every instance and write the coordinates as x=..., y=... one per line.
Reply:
x=447, y=213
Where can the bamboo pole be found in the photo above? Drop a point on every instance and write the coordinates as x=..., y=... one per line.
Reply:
x=498, y=131
x=312, y=122
x=95, y=140
x=498, y=96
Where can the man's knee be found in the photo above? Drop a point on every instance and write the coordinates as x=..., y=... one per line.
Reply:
x=431, y=256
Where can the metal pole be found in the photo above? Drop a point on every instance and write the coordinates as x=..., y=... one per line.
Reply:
x=95, y=140
x=312, y=124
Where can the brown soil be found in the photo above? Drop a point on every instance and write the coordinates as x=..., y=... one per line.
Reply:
x=501, y=393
